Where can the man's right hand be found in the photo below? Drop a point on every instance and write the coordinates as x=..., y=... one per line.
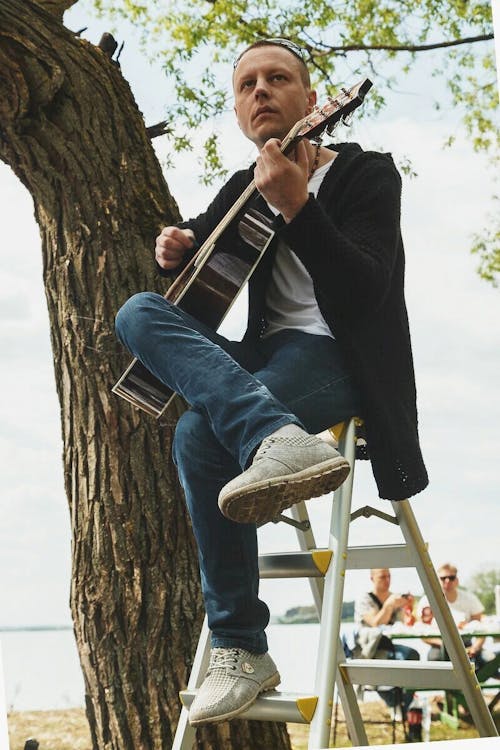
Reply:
x=171, y=245
x=396, y=601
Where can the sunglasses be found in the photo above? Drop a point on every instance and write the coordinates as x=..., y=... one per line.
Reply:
x=447, y=578
x=279, y=42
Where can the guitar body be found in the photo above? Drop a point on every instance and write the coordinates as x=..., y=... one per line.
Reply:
x=207, y=294
x=209, y=285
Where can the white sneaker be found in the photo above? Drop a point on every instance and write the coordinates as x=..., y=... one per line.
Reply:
x=234, y=679
x=287, y=468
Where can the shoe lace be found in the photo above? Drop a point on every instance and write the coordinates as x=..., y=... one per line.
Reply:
x=291, y=441
x=224, y=658
x=266, y=444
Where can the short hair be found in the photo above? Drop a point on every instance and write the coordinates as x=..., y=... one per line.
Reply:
x=286, y=44
x=449, y=566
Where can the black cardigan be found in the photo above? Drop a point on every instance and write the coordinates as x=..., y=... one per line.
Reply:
x=349, y=240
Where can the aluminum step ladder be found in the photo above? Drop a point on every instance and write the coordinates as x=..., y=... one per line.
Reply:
x=325, y=569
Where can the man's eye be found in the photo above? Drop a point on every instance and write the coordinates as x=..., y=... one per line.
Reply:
x=247, y=84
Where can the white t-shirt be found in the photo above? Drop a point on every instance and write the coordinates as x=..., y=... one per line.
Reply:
x=290, y=300
x=462, y=609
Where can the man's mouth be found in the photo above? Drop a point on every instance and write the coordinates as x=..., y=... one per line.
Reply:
x=263, y=111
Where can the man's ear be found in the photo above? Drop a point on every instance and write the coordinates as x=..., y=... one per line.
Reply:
x=311, y=101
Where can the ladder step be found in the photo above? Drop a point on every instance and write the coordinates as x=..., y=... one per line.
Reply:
x=375, y=556
x=412, y=674
x=310, y=564
x=314, y=563
x=272, y=706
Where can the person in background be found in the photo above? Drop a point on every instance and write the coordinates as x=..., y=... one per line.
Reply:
x=373, y=610
x=465, y=607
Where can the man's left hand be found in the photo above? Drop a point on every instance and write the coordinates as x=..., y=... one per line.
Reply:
x=281, y=180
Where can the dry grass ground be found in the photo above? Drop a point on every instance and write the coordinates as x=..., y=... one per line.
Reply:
x=374, y=712
x=54, y=730
x=68, y=730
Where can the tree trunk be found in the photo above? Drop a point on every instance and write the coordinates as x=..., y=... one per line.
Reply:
x=71, y=131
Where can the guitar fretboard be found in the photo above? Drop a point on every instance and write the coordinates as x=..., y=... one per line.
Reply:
x=206, y=249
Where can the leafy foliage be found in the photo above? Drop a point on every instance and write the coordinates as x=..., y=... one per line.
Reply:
x=487, y=247
x=197, y=40
x=483, y=585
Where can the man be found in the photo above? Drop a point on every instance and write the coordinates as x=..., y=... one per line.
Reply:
x=327, y=338
x=465, y=607
x=373, y=610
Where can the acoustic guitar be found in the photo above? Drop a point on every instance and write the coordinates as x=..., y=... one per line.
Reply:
x=210, y=283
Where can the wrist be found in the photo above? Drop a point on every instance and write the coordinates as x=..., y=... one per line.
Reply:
x=290, y=212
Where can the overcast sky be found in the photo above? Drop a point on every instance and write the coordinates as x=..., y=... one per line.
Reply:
x=454, y=323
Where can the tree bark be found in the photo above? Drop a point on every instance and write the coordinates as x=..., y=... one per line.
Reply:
x=72, y=132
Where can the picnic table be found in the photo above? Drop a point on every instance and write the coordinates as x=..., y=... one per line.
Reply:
x=487, y=674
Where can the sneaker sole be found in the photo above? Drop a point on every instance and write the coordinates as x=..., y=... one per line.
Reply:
x=269, y=684
x=263, y=501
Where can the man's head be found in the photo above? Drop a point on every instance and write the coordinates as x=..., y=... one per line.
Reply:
x=272, y=90
x=381, y=579
x=291, y=47
x=448, y=578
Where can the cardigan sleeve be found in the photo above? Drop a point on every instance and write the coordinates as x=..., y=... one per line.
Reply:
x=350, y=248
x=203, y=224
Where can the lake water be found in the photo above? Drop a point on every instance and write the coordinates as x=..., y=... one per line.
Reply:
x=42, y=671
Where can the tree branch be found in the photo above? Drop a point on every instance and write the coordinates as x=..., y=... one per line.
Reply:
x=161, y=128
x=108, y=44
x=401, y=47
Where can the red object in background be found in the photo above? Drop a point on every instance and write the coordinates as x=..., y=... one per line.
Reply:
x=414, y=719
x=408, y=616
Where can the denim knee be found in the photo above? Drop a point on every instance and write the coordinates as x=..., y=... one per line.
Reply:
x=133, y=317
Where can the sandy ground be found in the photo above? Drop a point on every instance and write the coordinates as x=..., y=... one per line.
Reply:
x=68, y=730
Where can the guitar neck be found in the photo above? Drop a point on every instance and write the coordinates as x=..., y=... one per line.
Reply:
x=311, y=126
x=228, y=218
x=205, y=250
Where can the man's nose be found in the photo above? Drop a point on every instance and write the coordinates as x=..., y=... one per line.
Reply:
x=261, y=88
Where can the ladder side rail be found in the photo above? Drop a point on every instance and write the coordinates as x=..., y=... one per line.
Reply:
x=329, y=642
x=201, y=657
x=464, y=669
x=350, y=706
x=185, y=734
x=347, y=694
x=306, y=543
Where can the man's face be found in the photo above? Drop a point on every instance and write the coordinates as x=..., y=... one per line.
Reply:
x=381, y=579
x=449, y=580
x=270, y=96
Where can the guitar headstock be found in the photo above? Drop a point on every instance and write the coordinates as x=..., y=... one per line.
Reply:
x=328, y=114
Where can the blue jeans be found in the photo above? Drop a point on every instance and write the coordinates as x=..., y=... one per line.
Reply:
x=397, y=696
x=239, y=393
